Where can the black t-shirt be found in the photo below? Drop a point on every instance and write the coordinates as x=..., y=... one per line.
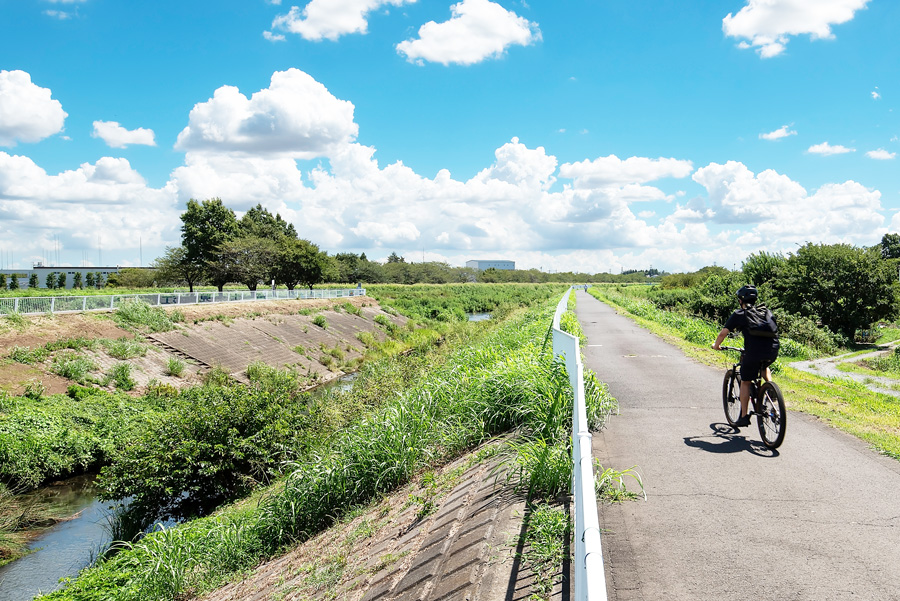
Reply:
x=758, y=347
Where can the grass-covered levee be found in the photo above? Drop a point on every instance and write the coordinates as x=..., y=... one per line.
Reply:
x=404, y=415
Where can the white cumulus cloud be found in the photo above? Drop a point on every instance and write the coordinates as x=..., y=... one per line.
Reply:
x=781, y=132
x=881, y=154
x=29, y=114
x=767, y=25
x=296, y=115
x=780, y=212
x=330, y=19
x=107, y=197
x=827, y=149
x=477, y=30
x=613, y=171
x=518, y=165
x=117, y=136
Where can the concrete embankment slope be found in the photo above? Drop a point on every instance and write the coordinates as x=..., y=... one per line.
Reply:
x=725, y=518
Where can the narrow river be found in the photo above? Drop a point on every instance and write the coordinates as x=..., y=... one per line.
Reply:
x=64, y=549
x=73, y=544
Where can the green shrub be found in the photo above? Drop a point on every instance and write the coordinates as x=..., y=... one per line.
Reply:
x=320, y=321
x=217, y=376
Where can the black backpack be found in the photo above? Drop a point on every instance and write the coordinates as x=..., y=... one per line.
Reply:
x=761, y=322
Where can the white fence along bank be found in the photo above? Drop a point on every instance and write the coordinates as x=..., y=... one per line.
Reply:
x=37, y=305
x=589, y=577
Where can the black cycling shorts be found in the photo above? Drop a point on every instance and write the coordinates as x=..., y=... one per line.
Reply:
x=751, y=367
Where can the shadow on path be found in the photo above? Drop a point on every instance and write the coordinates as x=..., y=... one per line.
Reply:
x=726, y=439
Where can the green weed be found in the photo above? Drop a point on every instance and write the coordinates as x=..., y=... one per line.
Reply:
x=73, y=366
x=121, y=375
x=610, y=484
x=175, y=367
x=139, y=316
x=124, y=348
x=17, y=320
x=545, y=540
x=320, y=321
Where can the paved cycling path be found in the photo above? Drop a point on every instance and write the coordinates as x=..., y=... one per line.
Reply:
x=725, y=518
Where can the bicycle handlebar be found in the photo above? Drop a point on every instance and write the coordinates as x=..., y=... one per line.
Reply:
x=731, y=348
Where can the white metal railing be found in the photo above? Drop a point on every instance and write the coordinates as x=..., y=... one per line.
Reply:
x=37, y=305
x=590, y=577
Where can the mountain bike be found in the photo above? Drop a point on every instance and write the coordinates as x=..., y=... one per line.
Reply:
x=767, y=403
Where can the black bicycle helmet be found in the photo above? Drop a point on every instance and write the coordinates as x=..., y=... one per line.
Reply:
x=748, y=294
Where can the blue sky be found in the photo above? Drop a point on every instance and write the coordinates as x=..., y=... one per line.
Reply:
x=573, y=135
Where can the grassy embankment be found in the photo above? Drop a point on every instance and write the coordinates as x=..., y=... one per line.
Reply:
x=845, y=404
x=46, y=437
x=499, y=380
x=259, y=421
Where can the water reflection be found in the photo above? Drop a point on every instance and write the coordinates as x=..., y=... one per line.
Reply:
x=478, y=316
x=64, y=549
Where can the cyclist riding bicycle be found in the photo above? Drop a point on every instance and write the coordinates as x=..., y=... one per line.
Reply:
x=760, y=331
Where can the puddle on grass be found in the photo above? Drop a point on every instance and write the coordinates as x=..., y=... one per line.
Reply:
x=65, y=548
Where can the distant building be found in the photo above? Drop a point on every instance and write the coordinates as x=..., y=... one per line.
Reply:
x=25, y=274
x=482, y=265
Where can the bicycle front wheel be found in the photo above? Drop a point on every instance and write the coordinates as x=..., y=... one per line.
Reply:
x=772, y=419
x=731, y=399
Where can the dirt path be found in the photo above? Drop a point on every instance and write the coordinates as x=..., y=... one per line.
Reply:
x=828, y=368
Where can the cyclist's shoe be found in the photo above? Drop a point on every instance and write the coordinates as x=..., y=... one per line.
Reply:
x=742, y=422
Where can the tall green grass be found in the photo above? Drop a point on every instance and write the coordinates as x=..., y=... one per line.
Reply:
x=486, y=388
x=695, y=330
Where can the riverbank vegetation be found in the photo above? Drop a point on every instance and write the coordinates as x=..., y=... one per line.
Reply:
x=400, y=417
x=182, y=453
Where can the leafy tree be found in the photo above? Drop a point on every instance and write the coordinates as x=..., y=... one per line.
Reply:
x=205, y=227
x=132, y=277
x=2, y=281
x=175, y=266
x=33, y=280
x=50, y=281
x=395, y=258
x=249, y=259
x=76, y=280
x=61, y=281
x=14, y=281
x=299, y=262
x=258, y=222
x=89, y=279
x=763, y=267
x=398, y=272
x=845, y=287
x=98, y=279
x=890, y=246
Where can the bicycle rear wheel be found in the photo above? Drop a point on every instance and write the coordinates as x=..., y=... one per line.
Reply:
x=772, y=420
x=731, y=390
